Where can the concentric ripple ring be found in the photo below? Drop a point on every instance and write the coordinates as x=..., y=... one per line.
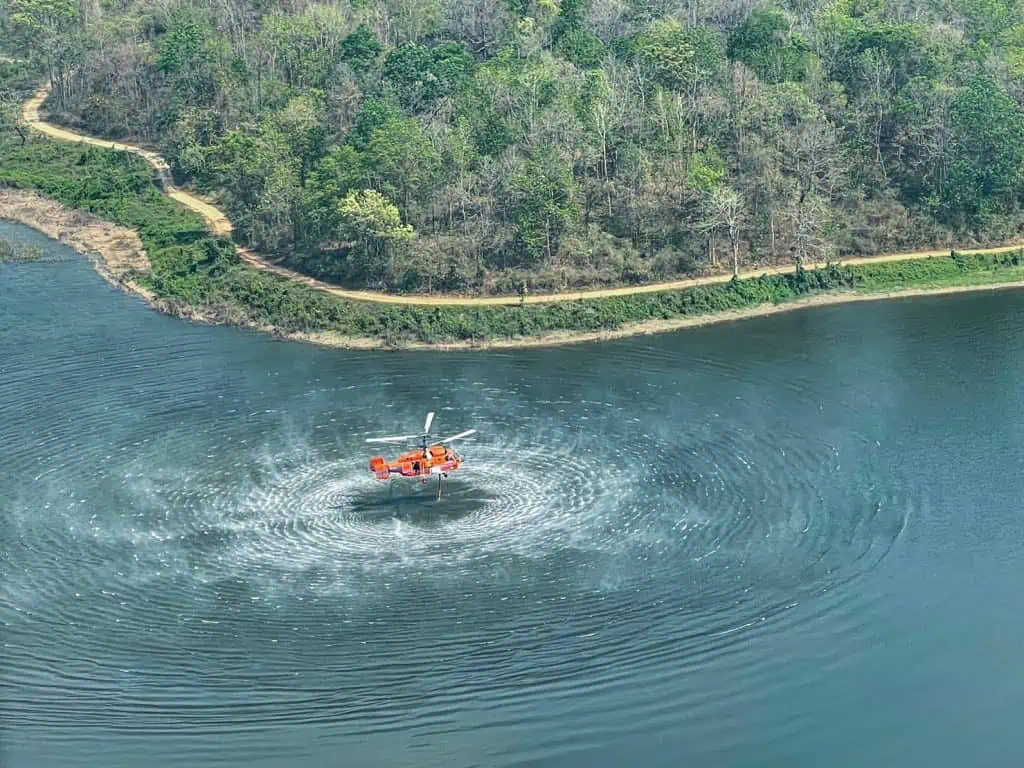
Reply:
x=642, y=537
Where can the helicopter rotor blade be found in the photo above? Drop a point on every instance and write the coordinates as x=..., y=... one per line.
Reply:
x=430, y=420
x=393, y=439
x=459, y=436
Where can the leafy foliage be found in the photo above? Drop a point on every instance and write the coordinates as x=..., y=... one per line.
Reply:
x=566, y=143
x=192, y=270
x=766, y=44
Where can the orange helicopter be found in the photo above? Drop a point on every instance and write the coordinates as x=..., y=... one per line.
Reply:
x=428, y=459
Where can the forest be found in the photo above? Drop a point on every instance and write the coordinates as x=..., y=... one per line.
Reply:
x=487, y=146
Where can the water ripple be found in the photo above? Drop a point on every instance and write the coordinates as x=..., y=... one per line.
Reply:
x=192, y=552
x=630, y=554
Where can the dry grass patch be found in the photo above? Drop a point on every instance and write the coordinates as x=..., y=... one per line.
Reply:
x=115, y=251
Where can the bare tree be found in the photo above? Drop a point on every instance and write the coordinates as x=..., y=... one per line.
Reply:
x=609, y=19
x=726, y=209
x=814, y=157
x=412, y=18
x=809, y=220
x=743, y=93
x=481, y=23
x=879, y=80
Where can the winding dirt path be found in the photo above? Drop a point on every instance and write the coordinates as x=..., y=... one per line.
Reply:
x=219, y=224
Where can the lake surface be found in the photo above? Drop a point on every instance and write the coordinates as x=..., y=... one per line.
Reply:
x=792, y=541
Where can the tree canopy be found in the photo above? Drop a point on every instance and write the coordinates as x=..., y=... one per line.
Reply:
x=467, y=145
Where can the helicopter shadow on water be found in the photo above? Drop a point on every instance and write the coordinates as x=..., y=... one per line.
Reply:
x=419, y=505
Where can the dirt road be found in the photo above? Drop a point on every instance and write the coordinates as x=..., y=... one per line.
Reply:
x=219, y=224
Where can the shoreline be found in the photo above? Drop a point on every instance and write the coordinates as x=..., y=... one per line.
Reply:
x=652, y=327
x=117, y=254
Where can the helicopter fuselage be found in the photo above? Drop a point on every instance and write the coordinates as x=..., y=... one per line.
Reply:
x=433, y=460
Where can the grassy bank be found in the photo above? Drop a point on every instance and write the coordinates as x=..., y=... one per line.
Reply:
x=195, y=274
x=16, y=253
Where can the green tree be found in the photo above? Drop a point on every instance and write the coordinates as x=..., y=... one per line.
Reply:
x=582, y=48
x=678, y=56
x=187, y=59
x=305, y=49
x=188, y=143
x=361, y=48
x=986, y=167
x=401, y=161
x=546, y=207
x=10, y=118
x=706, y=170
x=302, y=124
x=48, y=31
x=374, y=222
x=340, y=171
x=260, y=179
x=988, y=19
x=766, y=44
x=374, y=114
x=420, y=75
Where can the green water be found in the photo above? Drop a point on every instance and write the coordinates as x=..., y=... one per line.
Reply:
x=792, y=541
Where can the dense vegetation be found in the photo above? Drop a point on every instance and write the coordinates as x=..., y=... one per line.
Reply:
x=192, y=270
x=466, y=145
